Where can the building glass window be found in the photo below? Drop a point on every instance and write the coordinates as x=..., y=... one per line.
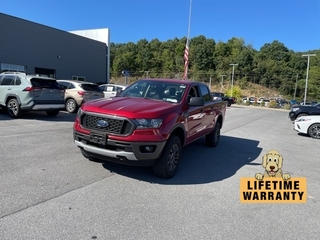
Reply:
x=6, y=67
x=79, y=78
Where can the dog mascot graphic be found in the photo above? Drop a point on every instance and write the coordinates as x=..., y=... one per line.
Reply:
x=272, y=162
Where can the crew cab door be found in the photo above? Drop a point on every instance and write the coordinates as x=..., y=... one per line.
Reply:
x=195, y=116
x=209, y=109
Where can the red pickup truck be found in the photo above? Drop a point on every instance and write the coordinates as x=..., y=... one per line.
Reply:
x=148, y=123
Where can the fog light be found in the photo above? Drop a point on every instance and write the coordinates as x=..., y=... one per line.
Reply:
x=147, y=149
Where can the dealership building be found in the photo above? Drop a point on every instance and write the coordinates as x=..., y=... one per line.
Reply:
x=34, y=48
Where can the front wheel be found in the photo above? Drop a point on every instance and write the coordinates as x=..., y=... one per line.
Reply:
x=13, y=107
x=314, y=131
x=167, y=164
x=212, y=139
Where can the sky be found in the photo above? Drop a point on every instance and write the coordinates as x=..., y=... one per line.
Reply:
x=295, y=23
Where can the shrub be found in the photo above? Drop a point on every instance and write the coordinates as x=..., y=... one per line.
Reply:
x=287, y=106
x=272, y=104
x=236, y=92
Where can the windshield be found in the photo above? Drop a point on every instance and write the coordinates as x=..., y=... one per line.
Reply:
x=158, y=90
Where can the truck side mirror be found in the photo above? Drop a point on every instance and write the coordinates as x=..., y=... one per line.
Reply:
x=196, y=101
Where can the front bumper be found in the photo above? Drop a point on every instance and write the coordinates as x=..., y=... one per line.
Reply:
x=130, y=153
x=292, y=116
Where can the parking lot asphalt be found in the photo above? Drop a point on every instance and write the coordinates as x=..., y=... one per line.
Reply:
x=49, y=191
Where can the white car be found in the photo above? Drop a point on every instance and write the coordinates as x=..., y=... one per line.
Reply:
x=309, y=125
x=111, y=90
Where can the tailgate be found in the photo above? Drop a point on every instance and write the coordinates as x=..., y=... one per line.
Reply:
x=46, y=89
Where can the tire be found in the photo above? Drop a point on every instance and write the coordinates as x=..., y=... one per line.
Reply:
x=13, y=107
x=52, y=113
x=212, y=139
x=314, y=131
x=71, y=106
x=301, y=114
x=167, y=164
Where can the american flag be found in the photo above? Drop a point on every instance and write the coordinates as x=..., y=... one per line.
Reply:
x=186, y=60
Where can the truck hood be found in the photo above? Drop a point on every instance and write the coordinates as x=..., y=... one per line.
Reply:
x=130, y=107
x=306, y=107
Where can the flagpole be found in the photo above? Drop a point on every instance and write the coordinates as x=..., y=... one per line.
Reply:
x=186, y=53
x=189, y=19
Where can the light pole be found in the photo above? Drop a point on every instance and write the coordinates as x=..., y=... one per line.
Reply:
x=295, y=88
x=222, y=81
x=232, y=64
x=306, y=88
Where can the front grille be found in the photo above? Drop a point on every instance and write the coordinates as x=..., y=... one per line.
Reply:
x=115, y=125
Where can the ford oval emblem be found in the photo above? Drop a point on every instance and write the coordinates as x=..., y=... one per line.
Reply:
x=102, y=123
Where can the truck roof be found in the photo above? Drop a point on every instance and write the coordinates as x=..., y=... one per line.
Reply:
x=173, y=80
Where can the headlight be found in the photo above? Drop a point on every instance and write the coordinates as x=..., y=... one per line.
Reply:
x=295, y=109
x=147, y=123
x=302, y=119
x=80, y=112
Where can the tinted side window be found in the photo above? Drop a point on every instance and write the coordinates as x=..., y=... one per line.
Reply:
x=102, y=88
x=66, y=85
x=8, y=80
x=18, y=81
x=71, y=86
x=45, y=83
x=90, y=87
x=205, y=93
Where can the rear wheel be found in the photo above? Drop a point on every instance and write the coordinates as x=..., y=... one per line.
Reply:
x=53, y=112
x=13, y=108
x=71, y=106
x=314, y=130
x=212, y=139
x=167, y=164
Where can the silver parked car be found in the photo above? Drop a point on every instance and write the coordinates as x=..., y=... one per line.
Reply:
x=20, y=92
x=111, y=90
x=78, y=92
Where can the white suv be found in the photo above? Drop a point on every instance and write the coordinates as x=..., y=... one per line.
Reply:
x=111, y=90
x=20, y=92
